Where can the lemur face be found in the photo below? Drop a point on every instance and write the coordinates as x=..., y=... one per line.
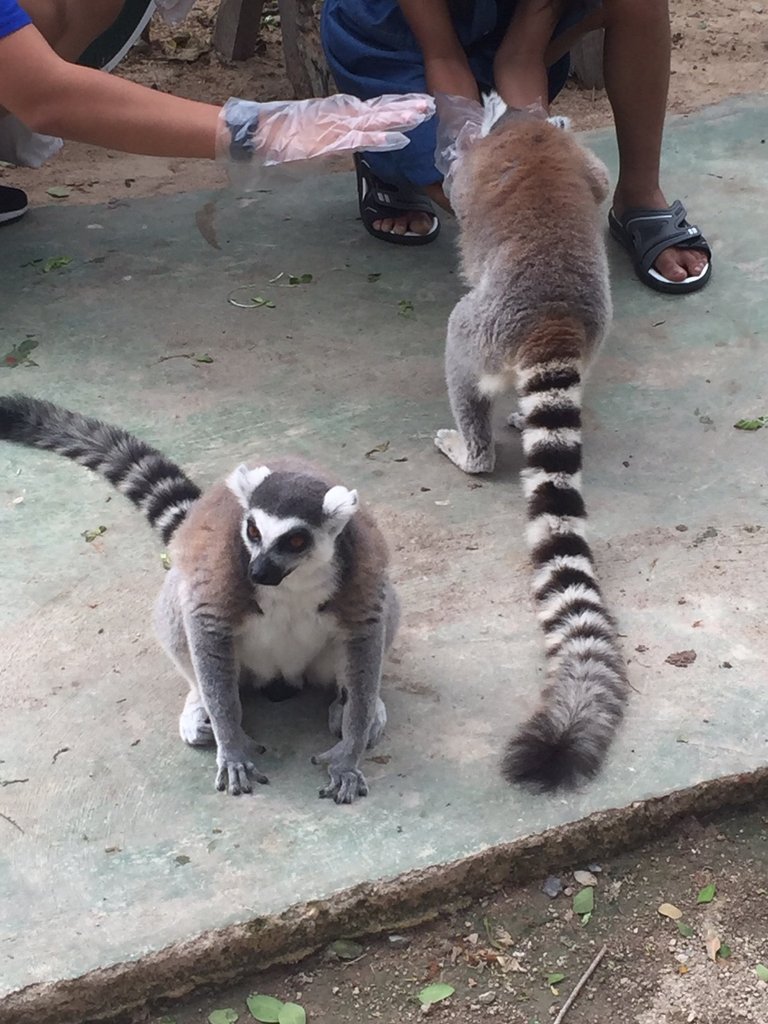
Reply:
x=291, y=521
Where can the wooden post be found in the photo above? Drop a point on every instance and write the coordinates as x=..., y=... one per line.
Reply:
x=238, y=23
x=305, y=63
x=587, y=60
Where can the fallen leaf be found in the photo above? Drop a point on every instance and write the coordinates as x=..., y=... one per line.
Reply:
x=383, y=447
x=584, y=901
x=586, y=918
x=346, y=949
x=682, y=969
x=725, y=951
x=59, y=191
x=56, y=263
x=555, y=979
x=685, y=930
x=292, y=1013
x=762, y=972
x=670, y=911
x=751, y=424
x=405, y=307
x=435, y=994
x=227, y=1016
x=707, y=894
x=711, y=942
x=91, y=535
x=681, y=659
x=585, y=877
x=182, y=858
x=265, y=1009
x=203, y=359
x=301, y=279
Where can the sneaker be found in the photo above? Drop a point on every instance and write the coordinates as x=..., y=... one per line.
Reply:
x=13, y=204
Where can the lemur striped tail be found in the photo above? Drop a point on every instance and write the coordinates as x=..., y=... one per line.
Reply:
x=566, y=740
x=152, y=482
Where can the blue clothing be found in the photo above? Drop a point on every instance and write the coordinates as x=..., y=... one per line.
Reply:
x=371, y=51
x=12, y=18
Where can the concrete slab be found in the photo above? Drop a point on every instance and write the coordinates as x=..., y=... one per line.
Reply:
x=116, y=852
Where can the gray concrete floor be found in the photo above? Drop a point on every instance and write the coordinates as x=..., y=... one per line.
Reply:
x=116, y=844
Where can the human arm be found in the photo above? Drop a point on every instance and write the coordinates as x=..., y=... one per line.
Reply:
x=519, y=67
x=54, y=97
x=445, y=62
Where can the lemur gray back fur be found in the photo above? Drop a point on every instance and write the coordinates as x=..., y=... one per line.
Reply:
x=279, y=575
x=532, y=251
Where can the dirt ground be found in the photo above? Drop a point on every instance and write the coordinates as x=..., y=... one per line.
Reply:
x=515, y=957
x=719, y=50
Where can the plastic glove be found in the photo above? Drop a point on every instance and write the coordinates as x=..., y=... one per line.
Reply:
x=293, y=132
x=174, y=11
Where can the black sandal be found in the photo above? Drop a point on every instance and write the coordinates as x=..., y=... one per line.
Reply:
x=647, y=233
x=380, y=201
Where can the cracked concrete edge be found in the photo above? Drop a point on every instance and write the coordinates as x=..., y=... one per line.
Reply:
x=229, y=954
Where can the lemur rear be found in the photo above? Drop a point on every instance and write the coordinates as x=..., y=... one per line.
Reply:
x=527, y=197
x=277, y=574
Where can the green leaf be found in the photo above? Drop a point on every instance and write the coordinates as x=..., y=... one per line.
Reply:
x=405, y=307
x=91, y=535
x=435, y=994
x=203, y=359
x=751, y=424
x=586, y=918
x=165, y=560
x=227, y=1016
x=555, y=979
x=725, y=951
x=346, y=949
x=265, y=1009
x=707, y=894
x=584, y=901
x=300, y=279
x=59, y=191
x=685, y=929
x=762, y=972
x=292, y=1013
x=258, y=301
x=56, y=263
x=165, y=1020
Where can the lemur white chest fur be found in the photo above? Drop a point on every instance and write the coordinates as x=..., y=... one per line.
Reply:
x=291, y=637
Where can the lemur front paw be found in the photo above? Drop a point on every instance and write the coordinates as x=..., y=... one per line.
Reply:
x=452, y=444
x=336, y=720
x=235, y=769
x=195, y=725
x=346, y=781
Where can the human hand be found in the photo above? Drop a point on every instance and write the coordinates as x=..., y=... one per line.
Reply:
x=288, y=132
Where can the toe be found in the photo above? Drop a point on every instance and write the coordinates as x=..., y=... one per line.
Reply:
x=694, y=261
x=401, y=225
x=421, y=224
x=669, y=265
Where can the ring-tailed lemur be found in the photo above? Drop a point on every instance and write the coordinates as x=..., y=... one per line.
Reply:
x=276, y=573
x=526, y=197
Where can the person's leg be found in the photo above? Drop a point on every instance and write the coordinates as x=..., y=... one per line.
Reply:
x=69, y=26
x=636, y=68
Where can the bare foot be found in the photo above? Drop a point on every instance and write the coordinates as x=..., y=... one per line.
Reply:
x=418, y=223
x=675, y=264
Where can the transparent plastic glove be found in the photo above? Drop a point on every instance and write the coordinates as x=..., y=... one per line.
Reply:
x=284, y=133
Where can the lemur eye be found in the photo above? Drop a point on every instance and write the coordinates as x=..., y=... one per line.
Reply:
x=297, y=542
x=253, y=534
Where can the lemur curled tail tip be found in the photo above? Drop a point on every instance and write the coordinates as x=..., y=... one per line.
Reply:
x=526, y=197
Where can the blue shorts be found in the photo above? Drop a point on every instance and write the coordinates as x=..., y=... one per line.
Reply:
x=371, y=51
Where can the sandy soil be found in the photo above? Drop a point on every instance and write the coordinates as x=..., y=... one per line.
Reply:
x=719, y=50
x=516, y=957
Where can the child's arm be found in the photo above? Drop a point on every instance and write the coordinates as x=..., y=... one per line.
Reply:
x=519, y=67
x=445, y=63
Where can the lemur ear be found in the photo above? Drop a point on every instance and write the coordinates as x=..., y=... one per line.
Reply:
x=339, y=505
x=244, y=481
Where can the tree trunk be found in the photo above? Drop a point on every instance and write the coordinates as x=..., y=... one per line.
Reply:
x=305, y=63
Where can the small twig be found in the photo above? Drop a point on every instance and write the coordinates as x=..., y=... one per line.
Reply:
x=12, y=782
x=61, y=750
x=348, y=963
x=179, y=355
x=12, y=822
x=581, y=983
